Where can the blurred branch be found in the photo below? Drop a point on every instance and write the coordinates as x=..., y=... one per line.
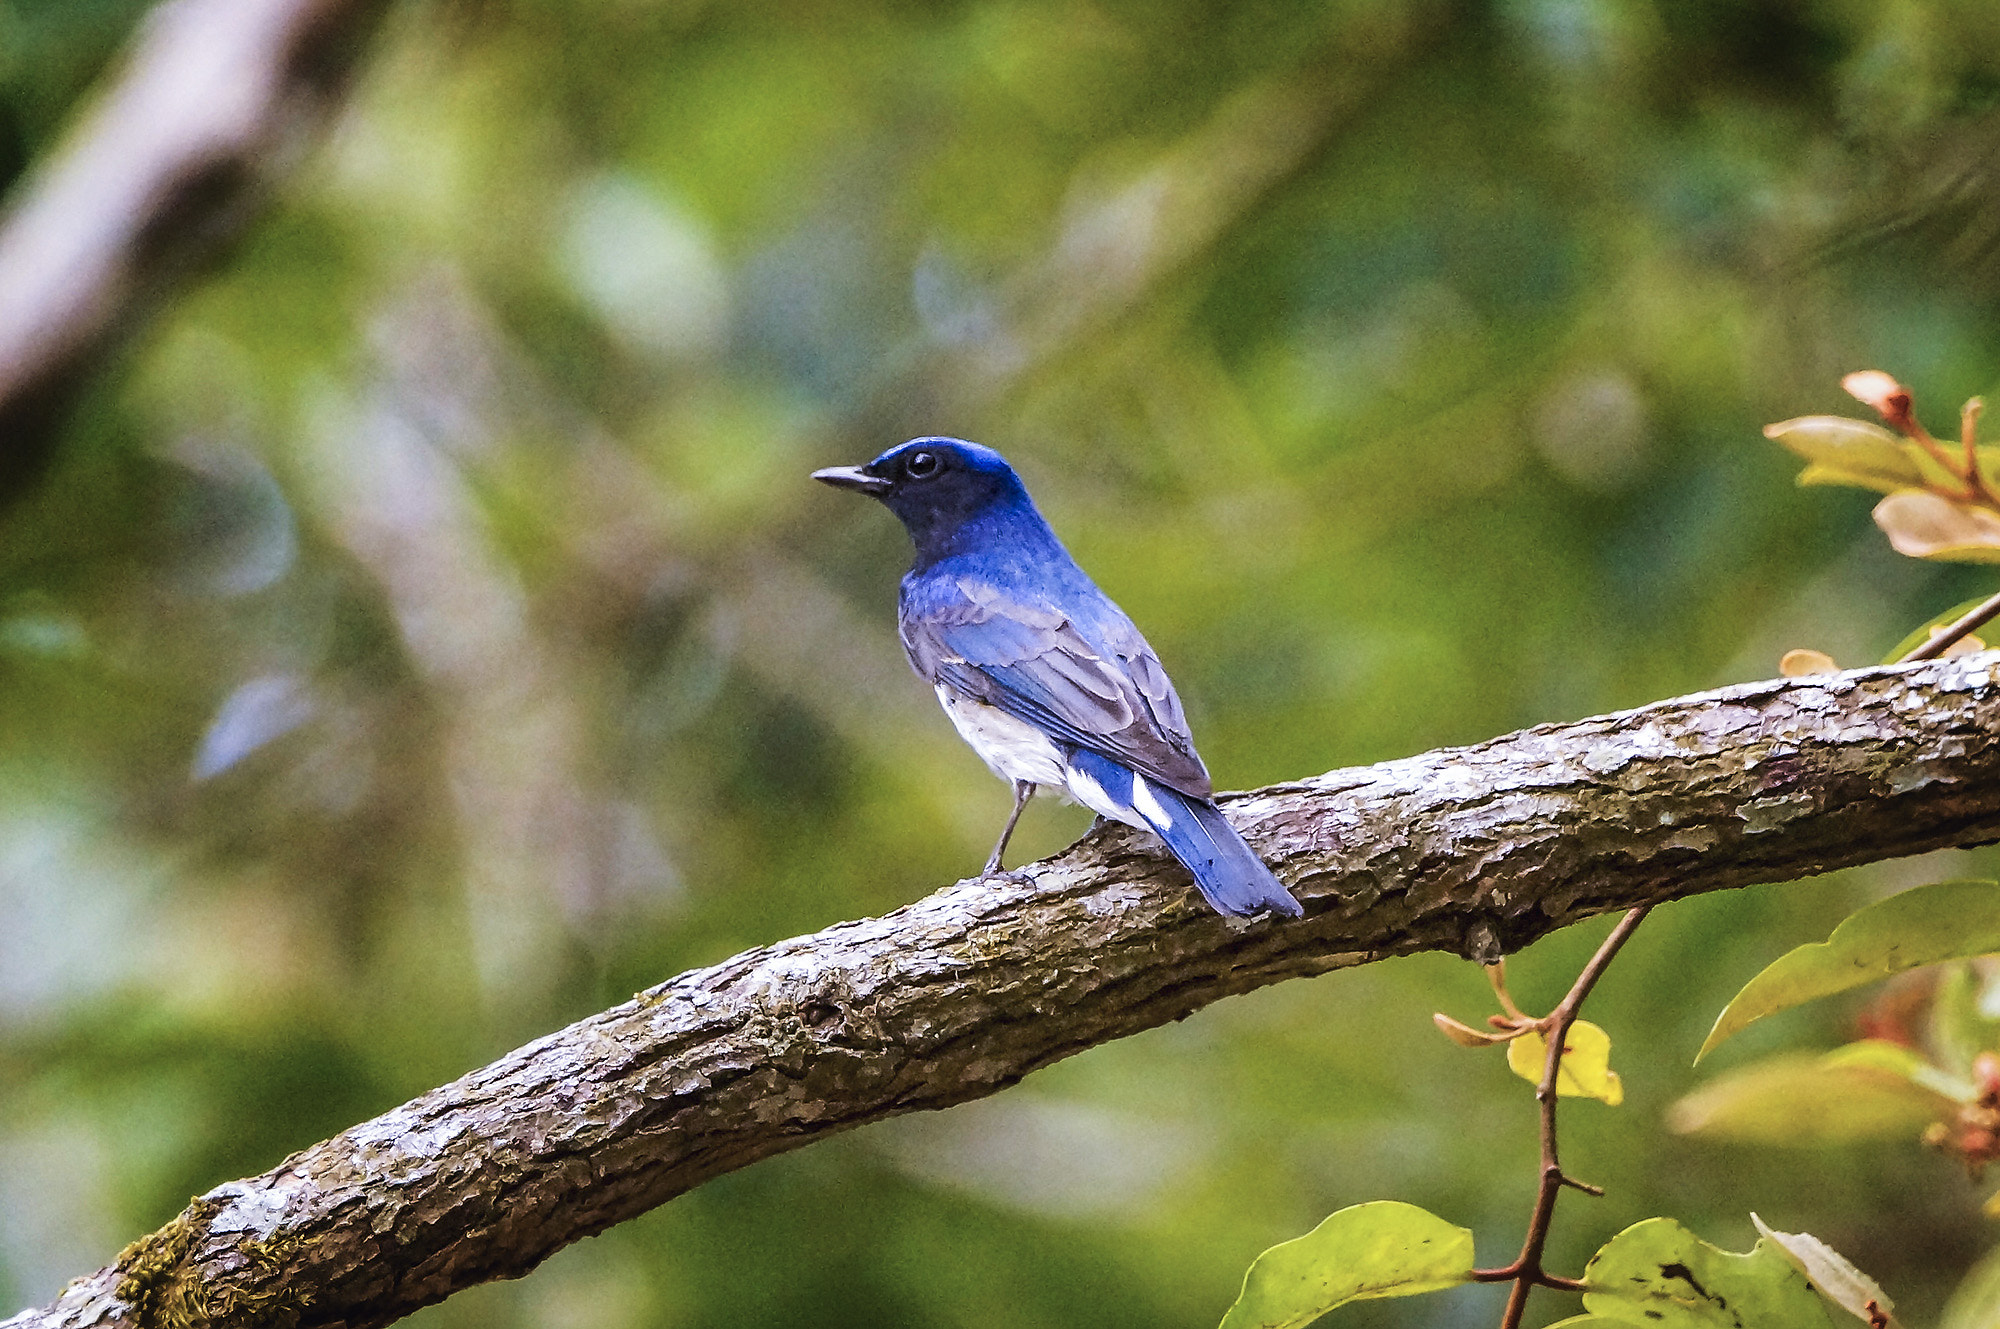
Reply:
x=1472, y=850
x=1934, y=188
x=1121, y=238
x=1116, y=244
x=392, y=471
x=215, y=101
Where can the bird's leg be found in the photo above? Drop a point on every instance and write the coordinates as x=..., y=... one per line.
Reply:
x=1023, y=791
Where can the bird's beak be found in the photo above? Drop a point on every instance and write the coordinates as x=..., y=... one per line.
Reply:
x=852, y=477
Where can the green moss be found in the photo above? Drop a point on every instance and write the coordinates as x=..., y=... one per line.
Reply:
x=153, y=1285
x=166, y=1292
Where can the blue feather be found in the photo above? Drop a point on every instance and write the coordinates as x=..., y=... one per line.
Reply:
x=1232, y=878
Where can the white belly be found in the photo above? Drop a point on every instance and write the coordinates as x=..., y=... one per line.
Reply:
x=1012, y=749
x=1015, y=750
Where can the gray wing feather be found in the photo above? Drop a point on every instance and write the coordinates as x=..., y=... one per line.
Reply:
x=1098, y=686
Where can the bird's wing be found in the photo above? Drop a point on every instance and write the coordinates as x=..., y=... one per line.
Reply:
x=1087, y=679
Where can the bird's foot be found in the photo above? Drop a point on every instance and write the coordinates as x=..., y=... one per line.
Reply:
x=1013, y=876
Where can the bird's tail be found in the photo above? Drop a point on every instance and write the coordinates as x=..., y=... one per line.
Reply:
x=1232, y=878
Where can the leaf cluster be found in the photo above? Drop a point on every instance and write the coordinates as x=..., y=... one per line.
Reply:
x=1938, y=504
x=1936, y=1078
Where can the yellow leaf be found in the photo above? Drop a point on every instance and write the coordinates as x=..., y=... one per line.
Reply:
x=1799, y=663
x=1819, y=473
x=1926, y=525
x=1586, y=1063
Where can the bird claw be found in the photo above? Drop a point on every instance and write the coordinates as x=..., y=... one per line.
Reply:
x=1013, y=876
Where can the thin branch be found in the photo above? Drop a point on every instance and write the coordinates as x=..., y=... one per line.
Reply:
x=1971, y=621
x=1527, y=1272
x=1968, y=435
x=1496, y=975
x=1917, y=434
x=1475, y=850
x=215, y=100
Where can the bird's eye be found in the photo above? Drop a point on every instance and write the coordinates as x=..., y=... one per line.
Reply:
x=921, y=465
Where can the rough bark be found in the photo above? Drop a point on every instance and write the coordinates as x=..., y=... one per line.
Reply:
x=1474, y=850
x=215, y=100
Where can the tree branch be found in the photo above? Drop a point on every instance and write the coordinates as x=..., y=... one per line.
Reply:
x=1473, y=850
x=215, y=99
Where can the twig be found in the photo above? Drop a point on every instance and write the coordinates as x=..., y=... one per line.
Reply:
x=1892, y=400
x=1968, y=433
x=1917, y=434
x=1975, y=474
x=1526, y=1272
x=1496, y=974
x=1971, y=621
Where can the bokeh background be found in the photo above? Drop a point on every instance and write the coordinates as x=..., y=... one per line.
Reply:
x=426, y=634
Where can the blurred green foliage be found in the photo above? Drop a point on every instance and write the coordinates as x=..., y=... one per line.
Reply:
x=427, y=634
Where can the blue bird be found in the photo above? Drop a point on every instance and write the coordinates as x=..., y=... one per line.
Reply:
x=1046, y=678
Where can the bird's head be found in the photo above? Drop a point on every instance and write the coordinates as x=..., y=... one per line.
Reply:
x=936, y=486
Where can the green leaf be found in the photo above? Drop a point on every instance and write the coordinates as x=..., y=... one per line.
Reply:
x=1585, y=1071
x=1819, y=473
x=1876, y=1054
x=1802, y=1100
x=1923, y=633
x=1949, y=920
x=1660, y=1275
x=1381, y=1249
x=1850, y=452
x=1879, y=1054
x=1976, y=1303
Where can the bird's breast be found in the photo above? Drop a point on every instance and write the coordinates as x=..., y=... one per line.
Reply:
x=1012, y=749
